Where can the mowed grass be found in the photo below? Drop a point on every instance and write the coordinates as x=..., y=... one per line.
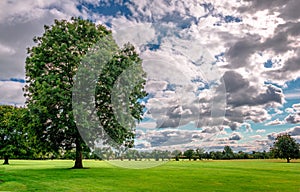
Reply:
x=232, y=175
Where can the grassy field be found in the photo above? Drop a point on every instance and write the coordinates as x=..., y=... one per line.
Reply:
x=234, y=175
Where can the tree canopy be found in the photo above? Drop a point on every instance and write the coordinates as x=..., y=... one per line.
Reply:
x=228, y=153
x=285, y=147
x=51, y=68
x=13, y=134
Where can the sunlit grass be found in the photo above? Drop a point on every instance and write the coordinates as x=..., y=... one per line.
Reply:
x=233, y=175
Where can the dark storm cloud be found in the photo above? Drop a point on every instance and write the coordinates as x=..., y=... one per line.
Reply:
x=233, y=126
x=290, y=69
x=241, y=49
x=291, y=10
x=19, y=37
x=295, y=131
x=170, y=122
x=170, y=137
x=284, y=39
x=235, y=137
x=278, y=43
x=258, y=5
x=239, y=52
x=293, y=118
x=212, y=130
x=233, y=115
x=240, y=93
x=234, y=81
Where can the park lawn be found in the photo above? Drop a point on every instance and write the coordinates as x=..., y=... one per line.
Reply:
x=231, y=175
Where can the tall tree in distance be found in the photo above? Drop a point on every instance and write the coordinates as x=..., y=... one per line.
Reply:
x=285, y=147
x=51, y=67
x=13, y=135
x=189, y=153
x=228, y=153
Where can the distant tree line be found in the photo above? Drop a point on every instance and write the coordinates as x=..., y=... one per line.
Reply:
x=155, y=155
x=18, y=142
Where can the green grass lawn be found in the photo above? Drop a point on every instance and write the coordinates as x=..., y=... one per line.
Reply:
x=233, y=175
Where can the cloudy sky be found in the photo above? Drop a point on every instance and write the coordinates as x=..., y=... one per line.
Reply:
x=219, y=72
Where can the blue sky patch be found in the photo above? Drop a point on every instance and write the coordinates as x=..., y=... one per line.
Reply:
x=268, y=64
x=232, y=19
x=14, y=80
x=112, y=8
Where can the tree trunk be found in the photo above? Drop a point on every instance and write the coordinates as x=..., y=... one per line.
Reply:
x=78, y=158
x=288, y=160
x=5, y=160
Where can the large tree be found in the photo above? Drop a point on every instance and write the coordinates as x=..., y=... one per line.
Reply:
x=228, y=153
x=13, y=136
x=51, y=72
x=189, y=153
x=285, y=147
